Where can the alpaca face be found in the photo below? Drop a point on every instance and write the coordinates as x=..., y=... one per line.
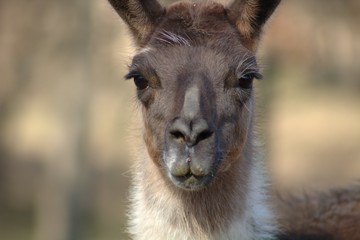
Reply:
x=196, y=94
x=194, y=73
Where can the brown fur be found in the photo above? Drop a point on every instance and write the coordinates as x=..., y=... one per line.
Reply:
x=221, y=210
x=191, y=65
x=320, y=215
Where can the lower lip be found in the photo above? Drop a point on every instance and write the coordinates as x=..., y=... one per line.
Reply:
x=191, y=182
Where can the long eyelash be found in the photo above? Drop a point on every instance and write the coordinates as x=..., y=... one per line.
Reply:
x=249, y=66
x=256, y=74
x=131, y=75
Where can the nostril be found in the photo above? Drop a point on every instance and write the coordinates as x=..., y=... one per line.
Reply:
x=204, y=135
x=201, y=131
x=178, y=136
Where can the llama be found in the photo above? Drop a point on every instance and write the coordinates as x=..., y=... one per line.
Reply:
x=199, y=175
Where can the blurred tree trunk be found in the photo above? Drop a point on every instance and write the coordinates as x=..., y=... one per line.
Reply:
x=61, y=205
x=45, y=43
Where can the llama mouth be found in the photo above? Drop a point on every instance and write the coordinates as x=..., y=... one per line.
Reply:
x=192, y=182
x=191, y=172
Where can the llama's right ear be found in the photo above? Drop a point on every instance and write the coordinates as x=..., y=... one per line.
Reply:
x=141, y=16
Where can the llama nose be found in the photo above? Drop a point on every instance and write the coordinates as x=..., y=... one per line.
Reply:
x=190, y=132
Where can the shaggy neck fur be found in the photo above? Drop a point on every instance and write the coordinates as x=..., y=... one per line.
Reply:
x=233, y=207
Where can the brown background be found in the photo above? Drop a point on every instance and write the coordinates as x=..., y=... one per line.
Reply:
x=67, y=118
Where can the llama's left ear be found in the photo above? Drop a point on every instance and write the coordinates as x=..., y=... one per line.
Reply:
x=141, y=16
x=249, y=16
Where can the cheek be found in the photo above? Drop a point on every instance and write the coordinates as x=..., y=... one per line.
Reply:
x=233, y=135
x=232, y=144
x=154, y=132
x=234, y=122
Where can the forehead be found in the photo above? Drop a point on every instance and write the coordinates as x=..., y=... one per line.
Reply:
x=196, y=24
x=176, y=59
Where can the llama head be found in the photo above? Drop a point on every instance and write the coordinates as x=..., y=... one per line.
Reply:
x=194, y=72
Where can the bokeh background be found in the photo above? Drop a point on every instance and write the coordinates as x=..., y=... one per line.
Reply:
x=67, y=118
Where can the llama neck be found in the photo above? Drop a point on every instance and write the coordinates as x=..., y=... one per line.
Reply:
x=233, y=205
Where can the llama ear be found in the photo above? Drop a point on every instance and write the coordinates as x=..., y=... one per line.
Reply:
x=141, y=16
x=249, y=16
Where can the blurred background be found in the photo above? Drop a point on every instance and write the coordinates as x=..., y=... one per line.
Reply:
x=67, y=117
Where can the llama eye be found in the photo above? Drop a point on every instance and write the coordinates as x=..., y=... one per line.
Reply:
x=140, y=82
x=246, y=80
